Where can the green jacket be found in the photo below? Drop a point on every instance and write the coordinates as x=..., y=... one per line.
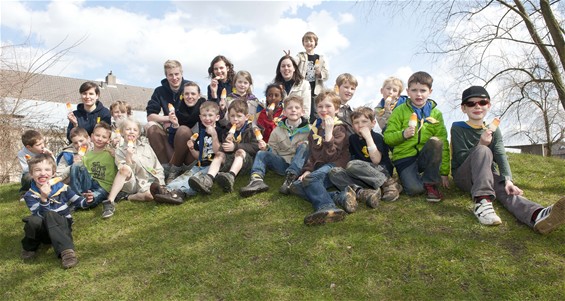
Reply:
x=405, y=148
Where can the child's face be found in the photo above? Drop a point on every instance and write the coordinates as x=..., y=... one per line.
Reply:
x=362, y=122
x=118, y=114
x=238, y=119
x=390, y=90
x=190, y=95
x=293, y=111
x=419, y=94
x=174, y=77
x=100, y=138
x=326, y=108
x=274, y=96
x=309, y=44
x=241, y=85
x=286, y=69
x=131, y=131
x=89, y=97
x=477, y=112
x=41, y=172
x=209, y=117
x=79, y=140
x=37, y=148
x=220, y=71
x=346, y=92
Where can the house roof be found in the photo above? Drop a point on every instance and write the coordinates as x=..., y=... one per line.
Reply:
x=23, y=85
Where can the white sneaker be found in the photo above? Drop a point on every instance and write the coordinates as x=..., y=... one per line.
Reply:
x=550, y=218
x=485, y=213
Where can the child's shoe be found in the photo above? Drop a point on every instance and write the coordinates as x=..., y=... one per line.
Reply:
x=28, y=254
x=485, y=213
x=175, y=197
x=174, y=172
x=323, y=216
x=550, y=218
x=347, y=199
x=225, y=180
x=69, y=258
x=255, y=186
x=201, y=182
x=107, y=209
x=370, y=197
x=432, y=193
x=391, y=190
x=285, y=187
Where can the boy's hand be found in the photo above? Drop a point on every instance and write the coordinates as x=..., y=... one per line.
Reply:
x=366, y=133
x=173, y=119
x=512, y=189
x=222, y=104
x=89, y=196
x=211, y=130
x=77, y=158
x=445, y=181
x=72, y=118
x=262, y=145
x=486, y=138
x=329, y=127
x=302, y=176
x=190, y=144
x=228, y=146
x=409, y=132
x=44, y=190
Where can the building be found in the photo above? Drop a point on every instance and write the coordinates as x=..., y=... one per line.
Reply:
x=557, y=150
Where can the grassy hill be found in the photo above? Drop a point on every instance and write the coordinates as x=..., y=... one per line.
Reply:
x=223, y=247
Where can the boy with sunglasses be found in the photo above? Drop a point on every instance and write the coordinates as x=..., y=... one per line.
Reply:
x=476, y=148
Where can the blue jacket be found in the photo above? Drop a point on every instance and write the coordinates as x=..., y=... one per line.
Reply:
x=87, y=120
x=60, y=200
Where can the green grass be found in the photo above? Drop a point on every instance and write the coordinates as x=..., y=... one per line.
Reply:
x=223, y=247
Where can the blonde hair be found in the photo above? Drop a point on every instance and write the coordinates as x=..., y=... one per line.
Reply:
x=170, y=64
x=395, y=81
x=334, y=98
x=122, y=106
x=346, y=77
x=247, y=76
x=310, y=36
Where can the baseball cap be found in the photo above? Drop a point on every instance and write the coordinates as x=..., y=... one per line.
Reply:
x=474, y=91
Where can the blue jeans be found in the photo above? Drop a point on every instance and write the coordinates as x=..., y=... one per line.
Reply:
x=276, y=163
x=428, y=163
x=313, y=188
x=81, y=181
x=181, y=182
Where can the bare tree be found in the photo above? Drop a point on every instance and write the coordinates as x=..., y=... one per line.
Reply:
x=20, y=65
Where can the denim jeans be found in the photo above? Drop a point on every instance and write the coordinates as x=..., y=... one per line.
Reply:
x=276, y=163
x=81, y=181
x=313, y=188
x=181, y=182
x=428, y=163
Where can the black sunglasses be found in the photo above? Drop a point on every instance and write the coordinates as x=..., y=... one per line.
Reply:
x=472, y=104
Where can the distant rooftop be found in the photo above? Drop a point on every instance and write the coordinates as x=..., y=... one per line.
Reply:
x=22, y=85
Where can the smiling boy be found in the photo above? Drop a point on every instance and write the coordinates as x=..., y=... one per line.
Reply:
x=346, y=84
x=421, y=151
x=477, y=150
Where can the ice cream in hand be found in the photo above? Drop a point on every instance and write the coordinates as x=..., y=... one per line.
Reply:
x=131, y=143
x=55, y=180
x=258, y=134
x=494, y=124
x=82, y=150
x=413, y=122
x=194, y=137
x=171, y=108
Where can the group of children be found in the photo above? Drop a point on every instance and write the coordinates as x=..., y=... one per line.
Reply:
x=332, y=157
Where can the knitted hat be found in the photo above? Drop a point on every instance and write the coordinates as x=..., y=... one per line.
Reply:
x=474, y=91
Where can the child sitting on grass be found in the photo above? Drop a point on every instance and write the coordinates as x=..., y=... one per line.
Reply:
x=370, y=167
x=267, y=119
x=236, y=153
x=328, y=147
x=34, y=144
x=391, y=89
x=66, y=158
x=476, y=149
x=50, y=205
x=286, y=152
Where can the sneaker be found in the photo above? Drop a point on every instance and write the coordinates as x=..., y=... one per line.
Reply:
x=347, y=200
x=254, y=187
x=122, y=196
x=485, y=213
x=285, y=188
x=107, y=209
x=391, y=190
x=69, y=258
x=370, y=197
x=174, y=197
x=174, y=172
x=550, y=218
x=28, y=254
x=432, y=193
x=225, y=180
x=323, y=216
x=201, y=182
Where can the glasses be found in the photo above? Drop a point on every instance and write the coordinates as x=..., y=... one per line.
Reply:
x=472, y=104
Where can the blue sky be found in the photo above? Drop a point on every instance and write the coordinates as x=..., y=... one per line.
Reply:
x=134, y=38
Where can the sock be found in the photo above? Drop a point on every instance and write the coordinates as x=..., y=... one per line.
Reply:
x=211, y=176
x=479, y=198
x=535, y=214
x=256, y=177
x=233, y=174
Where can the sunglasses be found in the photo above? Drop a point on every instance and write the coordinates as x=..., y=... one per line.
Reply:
x=472, y=104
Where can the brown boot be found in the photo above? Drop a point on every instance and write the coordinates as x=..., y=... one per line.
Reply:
x=391, y=190
x=69, y=258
